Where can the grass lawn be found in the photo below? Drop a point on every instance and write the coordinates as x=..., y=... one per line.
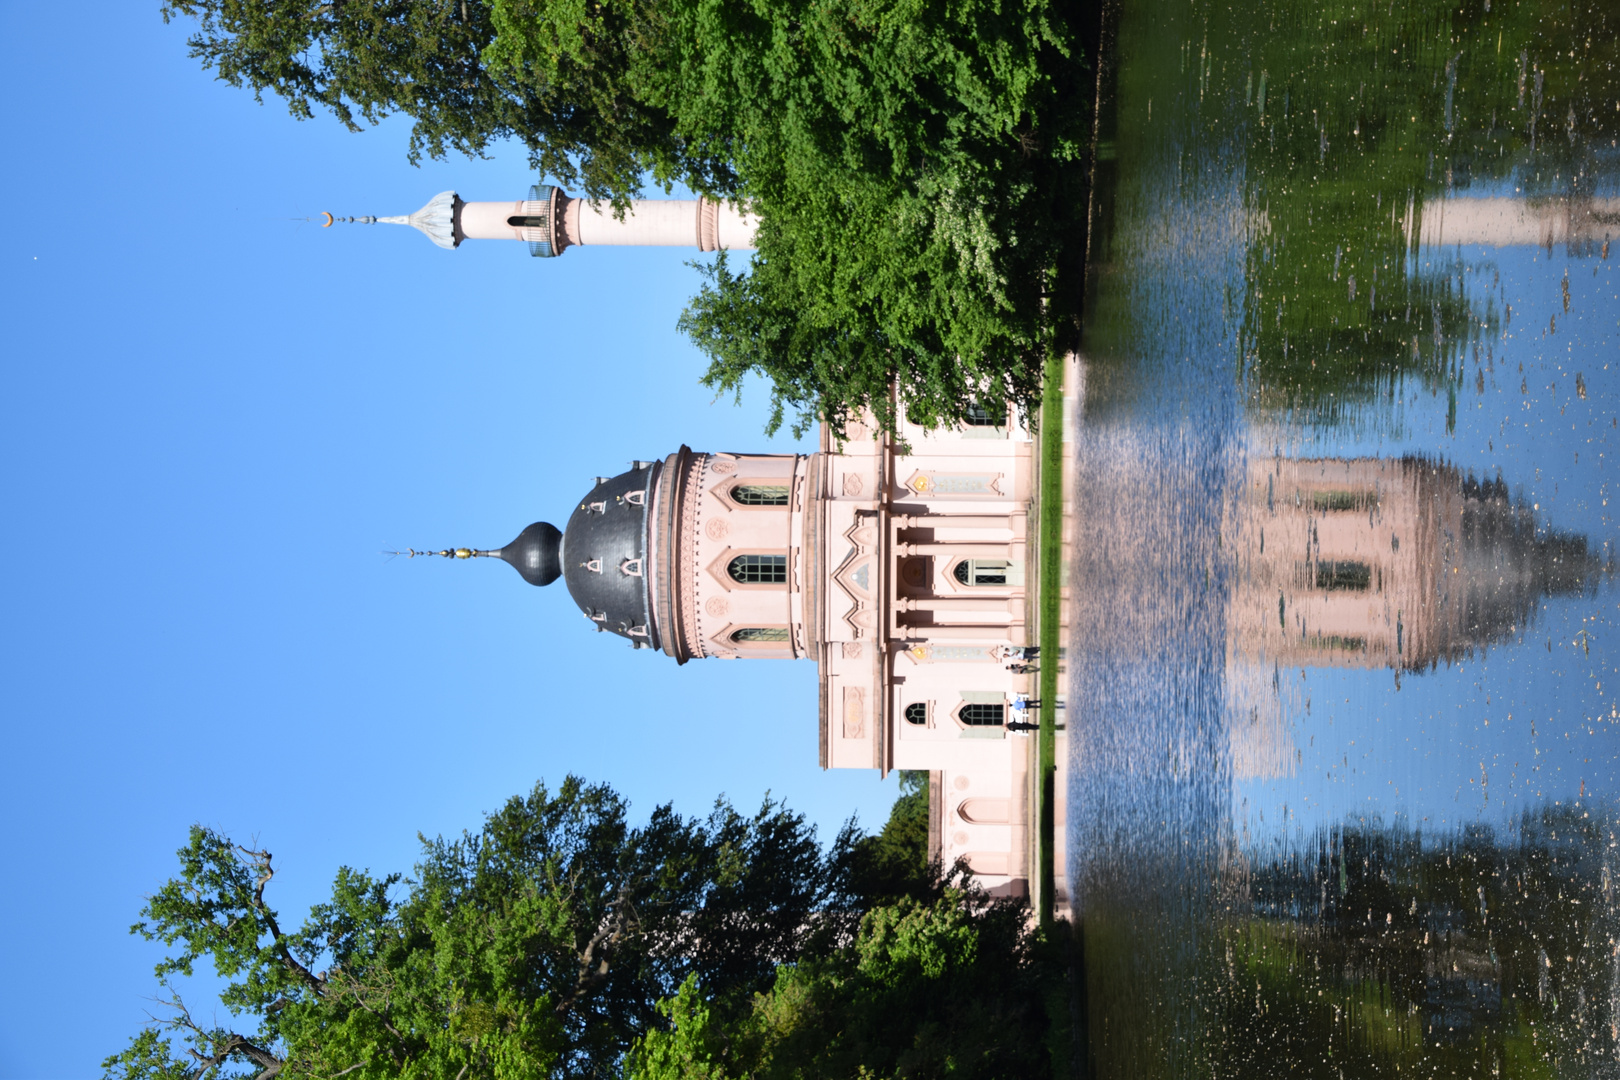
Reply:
x=1049, y=503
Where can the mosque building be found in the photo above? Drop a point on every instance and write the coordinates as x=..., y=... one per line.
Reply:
x=897, y=562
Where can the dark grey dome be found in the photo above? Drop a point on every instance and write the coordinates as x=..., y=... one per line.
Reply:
x=536, y=554
x=604, y=555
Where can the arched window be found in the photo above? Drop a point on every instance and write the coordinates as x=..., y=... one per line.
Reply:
x=759, y=569
x=978, y=416
x=978, y=714
x=760, y=494
x=755, y=634
x=982, y=571
x=917, y=713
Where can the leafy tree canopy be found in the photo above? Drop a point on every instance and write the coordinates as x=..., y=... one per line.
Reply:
x=917, y=167
x=947, y=988
x=538, y=946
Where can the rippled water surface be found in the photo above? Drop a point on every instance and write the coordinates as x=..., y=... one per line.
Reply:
x=1344, y=773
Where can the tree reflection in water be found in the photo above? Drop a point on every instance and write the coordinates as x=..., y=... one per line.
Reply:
x=1376, y=950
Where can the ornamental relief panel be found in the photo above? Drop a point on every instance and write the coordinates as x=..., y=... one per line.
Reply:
x=854, y=712
x=960, y=484
x=955, y=654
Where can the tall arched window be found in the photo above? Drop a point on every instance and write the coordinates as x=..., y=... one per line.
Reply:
x=982, y=571
x=760, y=494
x=761, y=634
x=758, y=569
x=978, y=714
x=917, y=713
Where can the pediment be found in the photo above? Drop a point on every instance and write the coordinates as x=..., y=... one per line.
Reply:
x=857, y=576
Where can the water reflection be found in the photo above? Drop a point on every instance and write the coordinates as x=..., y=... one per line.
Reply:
x=1344, y=758
x=1376, y=949
x=1395, y=563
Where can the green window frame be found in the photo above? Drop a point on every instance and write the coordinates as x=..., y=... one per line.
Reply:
x=761, y=494
x=750, y=635
x=983, y=714
x=758, y=569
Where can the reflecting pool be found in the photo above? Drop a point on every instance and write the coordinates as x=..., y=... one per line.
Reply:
x=1344, y=746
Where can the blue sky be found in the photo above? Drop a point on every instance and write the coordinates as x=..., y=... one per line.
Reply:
x=214, y=421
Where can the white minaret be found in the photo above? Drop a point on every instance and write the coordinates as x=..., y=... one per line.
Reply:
x=551, y=222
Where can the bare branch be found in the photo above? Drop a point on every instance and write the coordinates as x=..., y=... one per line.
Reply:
x=221, y=1046
x=260, y=860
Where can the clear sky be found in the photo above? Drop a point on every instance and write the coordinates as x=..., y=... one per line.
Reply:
x=214, y=421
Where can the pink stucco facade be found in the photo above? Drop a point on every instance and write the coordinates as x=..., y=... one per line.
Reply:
x=905, y=564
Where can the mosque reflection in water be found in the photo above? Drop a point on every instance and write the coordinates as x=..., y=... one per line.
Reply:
x=1367, y=563
x=1368, y=945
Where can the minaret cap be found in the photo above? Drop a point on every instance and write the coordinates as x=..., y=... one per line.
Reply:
x=436, y=221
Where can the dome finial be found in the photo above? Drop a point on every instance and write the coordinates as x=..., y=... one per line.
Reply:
x=536, y=554
x=448, y=553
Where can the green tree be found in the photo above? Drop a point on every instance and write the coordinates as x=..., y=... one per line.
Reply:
x=538, y=946
x=953, y=987
x=917, y=169
x=893, y=862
